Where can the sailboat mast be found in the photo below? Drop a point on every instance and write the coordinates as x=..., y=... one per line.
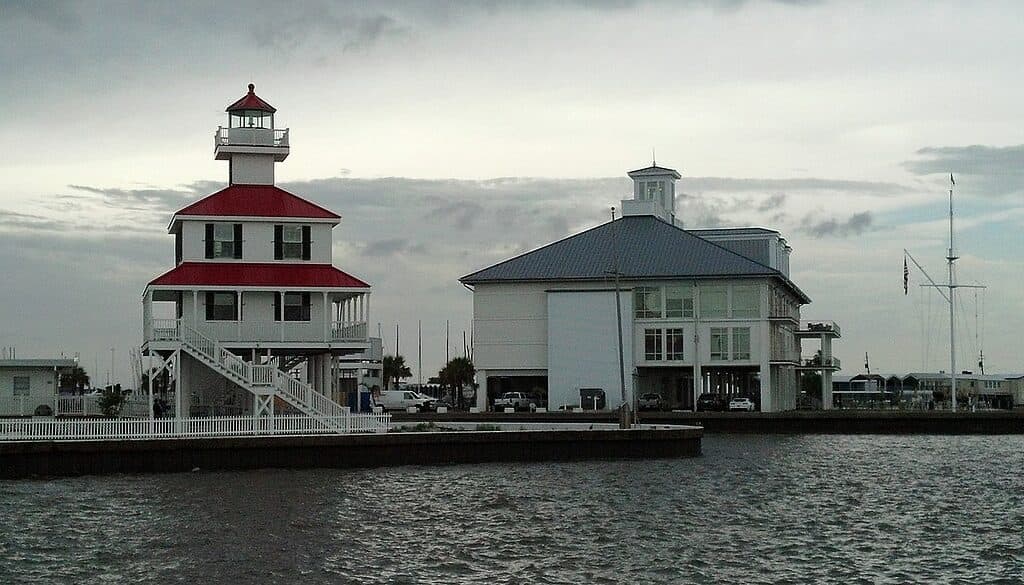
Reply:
x=951, y=258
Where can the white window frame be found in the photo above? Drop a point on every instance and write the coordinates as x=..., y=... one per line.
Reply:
x=672, y=335
x=291, y=248
x=223, y=246
x=659, y=345
x=736, y=335
x=706, y=294
x=720, y=335
x=749, y=312
x=26, y=385
x=684, y=296
x=643, y=310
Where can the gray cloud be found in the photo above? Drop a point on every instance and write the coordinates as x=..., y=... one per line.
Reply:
x=772, y=202
x=989, y=170
x=856, y=224
x=699, y=184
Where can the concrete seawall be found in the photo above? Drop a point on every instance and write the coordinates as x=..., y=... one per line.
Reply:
x=830, y=422
x=57, y=458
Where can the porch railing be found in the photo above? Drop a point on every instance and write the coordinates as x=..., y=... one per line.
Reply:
x=165, y=428
x=275, y=137
x=261, y=331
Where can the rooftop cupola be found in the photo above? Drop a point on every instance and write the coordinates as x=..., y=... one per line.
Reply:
x=654, y=192
x=250, y=142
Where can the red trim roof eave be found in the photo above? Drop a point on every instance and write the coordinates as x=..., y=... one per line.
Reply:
x=257, y=274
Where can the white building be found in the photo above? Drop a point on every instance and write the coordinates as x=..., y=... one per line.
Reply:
x=254, y=318
x=701, y=311
x=28, y=386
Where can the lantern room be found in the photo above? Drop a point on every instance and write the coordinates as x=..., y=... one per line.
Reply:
x=251, y=131
x=251, y=112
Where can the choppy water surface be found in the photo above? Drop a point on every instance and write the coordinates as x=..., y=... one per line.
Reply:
x=753, y=509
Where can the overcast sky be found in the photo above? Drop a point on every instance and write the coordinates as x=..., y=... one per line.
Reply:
x=451, y=136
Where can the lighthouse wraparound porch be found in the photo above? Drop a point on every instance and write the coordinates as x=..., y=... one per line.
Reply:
x=254, y=316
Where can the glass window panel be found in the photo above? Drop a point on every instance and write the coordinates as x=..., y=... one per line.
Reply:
x=746, y=301
x=719, y=343
x=223, y=240
x=296, y=307
x=714, y=302
x=741, y=343
x=678, y=302
x=674, y=344
x=652, y=345
x=291, y=242
x=647, y=302
x=22, y=385
x=224, y=307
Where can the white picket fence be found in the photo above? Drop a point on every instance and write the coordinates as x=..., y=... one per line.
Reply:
x=169, y=428
x=134, y=405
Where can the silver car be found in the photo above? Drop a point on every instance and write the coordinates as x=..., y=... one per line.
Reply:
x=742, y=403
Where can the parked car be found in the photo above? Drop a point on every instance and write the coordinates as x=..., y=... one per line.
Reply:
x=403, y=399
x=742, y=403
x=650, y=401
x=516, y=400
x=711, y=402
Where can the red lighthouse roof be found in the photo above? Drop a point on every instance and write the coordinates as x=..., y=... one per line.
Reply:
x=251, y=101
x=257, y=201
x=257, y=274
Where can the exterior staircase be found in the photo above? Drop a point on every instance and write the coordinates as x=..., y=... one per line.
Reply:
x=261, y=380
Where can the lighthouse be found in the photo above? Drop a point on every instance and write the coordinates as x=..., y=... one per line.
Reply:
x=254, y=318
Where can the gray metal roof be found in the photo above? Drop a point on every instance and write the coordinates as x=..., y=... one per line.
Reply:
x=647, y=248
x=38, y=363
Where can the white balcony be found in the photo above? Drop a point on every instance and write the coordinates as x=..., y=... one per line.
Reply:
x=819, y=329
x=227, y=141
x=269, y=332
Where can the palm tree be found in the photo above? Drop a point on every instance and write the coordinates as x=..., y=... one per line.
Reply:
x=394, y=368
x=455, y=375
x=76, y=379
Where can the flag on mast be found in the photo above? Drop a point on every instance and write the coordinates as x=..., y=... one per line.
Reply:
x=906, y=275
x=951, y=181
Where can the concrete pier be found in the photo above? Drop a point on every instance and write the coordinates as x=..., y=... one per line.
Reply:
x=68, y=458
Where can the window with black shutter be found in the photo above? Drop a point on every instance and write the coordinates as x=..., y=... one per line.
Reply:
x=238, y=241
x=221, y=306
x=307, y=242
x=223, y=240
x=290, y=242
x=296, y=306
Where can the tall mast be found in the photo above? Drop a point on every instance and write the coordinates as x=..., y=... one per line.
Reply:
x=951, y=258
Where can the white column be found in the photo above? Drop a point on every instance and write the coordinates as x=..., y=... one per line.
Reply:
x=481, y=391
x=826, y=375
x=280, y=313
x=149, y=376
x=179, y=387
x=195, y=309
x=147, y=315
x=767, y=400
x=698, y=380
x=327, y=318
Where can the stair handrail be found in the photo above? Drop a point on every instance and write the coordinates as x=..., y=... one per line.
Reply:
x=300, y=394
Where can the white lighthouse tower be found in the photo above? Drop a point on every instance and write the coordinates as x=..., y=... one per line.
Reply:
x=254, y=318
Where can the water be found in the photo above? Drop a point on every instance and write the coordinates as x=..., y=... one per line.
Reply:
x=753, y=509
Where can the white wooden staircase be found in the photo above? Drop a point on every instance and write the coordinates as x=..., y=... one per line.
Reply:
x=263, y=380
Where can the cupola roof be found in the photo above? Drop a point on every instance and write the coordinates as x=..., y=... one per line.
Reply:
x=251, y=101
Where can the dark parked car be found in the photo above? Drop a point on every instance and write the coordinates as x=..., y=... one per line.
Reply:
x=711, y=402
x=650, y=401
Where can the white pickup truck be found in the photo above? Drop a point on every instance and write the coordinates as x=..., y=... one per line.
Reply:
x=516, y=400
